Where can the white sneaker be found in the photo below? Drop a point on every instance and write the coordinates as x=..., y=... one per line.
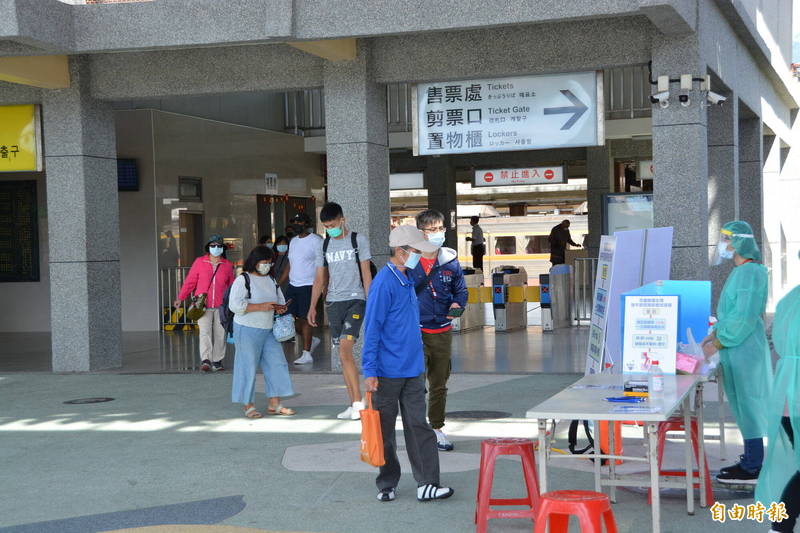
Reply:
x=441, y=441
x=304, y=359
x=314, y=343
x=347, y=413
x=355, y=410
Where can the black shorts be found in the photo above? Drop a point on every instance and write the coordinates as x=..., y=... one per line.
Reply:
x=301, y=300
x=345, y=319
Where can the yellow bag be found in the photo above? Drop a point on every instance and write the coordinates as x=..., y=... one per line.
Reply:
x=371, y=437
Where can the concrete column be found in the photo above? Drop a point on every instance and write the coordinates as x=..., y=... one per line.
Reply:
x=723, y=179
x=751, y=183
x=598, y=174
x=358, y=148
x=680, y=159
x=440, y=180
x=83, y=222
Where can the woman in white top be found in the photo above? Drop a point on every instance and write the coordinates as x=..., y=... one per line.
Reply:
x=252, y=333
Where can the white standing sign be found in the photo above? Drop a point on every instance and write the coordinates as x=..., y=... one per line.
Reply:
x=503, y=114
x=650, y=333
x=519, y=176
x=595, y=356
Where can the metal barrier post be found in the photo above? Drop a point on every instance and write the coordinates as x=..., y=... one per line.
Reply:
x=583, y=289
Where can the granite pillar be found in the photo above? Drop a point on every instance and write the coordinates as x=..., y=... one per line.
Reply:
x=358, y=148
x=680, y=159
x=598, y=183
x=83, y=223
x=751, y=182
x=723, y=180
x=440, y=181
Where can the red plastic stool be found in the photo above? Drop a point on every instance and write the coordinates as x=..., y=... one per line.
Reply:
x=591, y=508
x=490, y=450
x=676, y=424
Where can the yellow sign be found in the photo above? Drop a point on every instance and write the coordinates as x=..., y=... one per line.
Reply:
x=20, y=139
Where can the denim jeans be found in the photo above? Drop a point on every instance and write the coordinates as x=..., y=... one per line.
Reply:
x=256, y=347
x=753, y=454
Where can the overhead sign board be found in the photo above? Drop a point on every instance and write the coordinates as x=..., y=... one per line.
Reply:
x=20, y=139
x=519, y=176
x=505, y=114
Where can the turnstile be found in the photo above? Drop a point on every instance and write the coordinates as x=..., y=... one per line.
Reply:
x=561, y=295
x=508, y=298
x=473, y=314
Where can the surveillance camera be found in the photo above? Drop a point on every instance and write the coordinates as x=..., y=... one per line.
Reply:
x=684, y=100
x=714, y=98
x=661, y=98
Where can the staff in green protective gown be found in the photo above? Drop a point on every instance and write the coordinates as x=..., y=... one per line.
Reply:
x=740, y=337
x=779, y=481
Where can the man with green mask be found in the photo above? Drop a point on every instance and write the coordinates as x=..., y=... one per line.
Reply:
x=780, y=478
x=740, y=337
x=343, y=271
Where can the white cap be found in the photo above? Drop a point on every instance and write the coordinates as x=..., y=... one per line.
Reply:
x=407, y=235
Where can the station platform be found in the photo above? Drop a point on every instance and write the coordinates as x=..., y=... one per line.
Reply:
x=483, y=350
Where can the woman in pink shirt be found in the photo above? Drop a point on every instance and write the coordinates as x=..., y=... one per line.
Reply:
x=211, y=274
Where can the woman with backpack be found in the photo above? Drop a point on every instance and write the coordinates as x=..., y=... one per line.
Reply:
x=255, y=299
x=211, y=275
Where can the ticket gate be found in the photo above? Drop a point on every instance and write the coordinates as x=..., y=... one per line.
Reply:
x=561, y=280
x=473, y=313
x=545, y=302
x=508, y=298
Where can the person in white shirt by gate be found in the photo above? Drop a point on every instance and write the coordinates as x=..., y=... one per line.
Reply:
x=300, y=272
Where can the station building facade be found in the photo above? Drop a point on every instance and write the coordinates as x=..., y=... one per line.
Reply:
x=207, y=98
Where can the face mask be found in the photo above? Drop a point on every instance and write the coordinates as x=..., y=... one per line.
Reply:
x=333, y=232
x=436, y=238
x=216, y=251
x=268, y=244
x=263, y=268
x=412, y=261
x=298, y=229
x=282, y=248
x=726, y=254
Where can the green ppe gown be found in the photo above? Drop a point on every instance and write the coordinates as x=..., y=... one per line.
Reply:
x=745, y=358
x=782, y=462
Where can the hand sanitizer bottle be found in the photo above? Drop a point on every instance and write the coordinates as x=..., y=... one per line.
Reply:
x=655, y=381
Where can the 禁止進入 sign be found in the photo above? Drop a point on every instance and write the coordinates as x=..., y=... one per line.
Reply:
x=519, y=176
x=505, y=114
x=20, y=139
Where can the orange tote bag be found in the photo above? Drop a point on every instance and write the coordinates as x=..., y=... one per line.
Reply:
x=371, y=438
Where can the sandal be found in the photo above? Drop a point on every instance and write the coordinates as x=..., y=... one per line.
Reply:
x=280, y=410
x=252, y=413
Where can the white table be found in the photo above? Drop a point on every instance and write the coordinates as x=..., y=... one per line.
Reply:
x=586, y=400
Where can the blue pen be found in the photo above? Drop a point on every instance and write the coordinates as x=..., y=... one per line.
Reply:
x=625, y=399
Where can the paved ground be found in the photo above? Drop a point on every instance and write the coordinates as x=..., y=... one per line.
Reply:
x=172, y=449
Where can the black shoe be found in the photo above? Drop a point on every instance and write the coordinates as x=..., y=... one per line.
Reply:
x=205, y=366
x=732, y=467
x=217, y=367
x=387, y=495
x=738, y=476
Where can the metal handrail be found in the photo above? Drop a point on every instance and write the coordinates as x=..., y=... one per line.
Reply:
x=170, y=282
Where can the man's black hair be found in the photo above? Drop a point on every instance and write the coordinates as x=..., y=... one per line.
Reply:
x=474, y=220
x=259, y=253
x=264, y=240
x=330, y=211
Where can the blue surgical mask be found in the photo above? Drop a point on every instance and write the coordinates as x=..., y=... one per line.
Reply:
x=412, y=261
x=334, y=232
x=436, y=238
x=216, y=251
x=282, y=248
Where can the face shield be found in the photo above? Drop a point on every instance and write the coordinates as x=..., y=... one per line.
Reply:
x=727, y=245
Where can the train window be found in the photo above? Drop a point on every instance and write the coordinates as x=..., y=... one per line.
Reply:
x=537, y=244
x=505, y=245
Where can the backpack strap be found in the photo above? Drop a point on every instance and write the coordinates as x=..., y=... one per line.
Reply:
x=325, y=251
x=354, y=242
x=572, y=437
x=247, y=284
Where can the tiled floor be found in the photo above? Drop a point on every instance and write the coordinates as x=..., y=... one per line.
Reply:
x=483, y=350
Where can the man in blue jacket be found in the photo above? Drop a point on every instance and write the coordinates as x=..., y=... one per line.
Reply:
x=393, y=367
x=440, y=287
